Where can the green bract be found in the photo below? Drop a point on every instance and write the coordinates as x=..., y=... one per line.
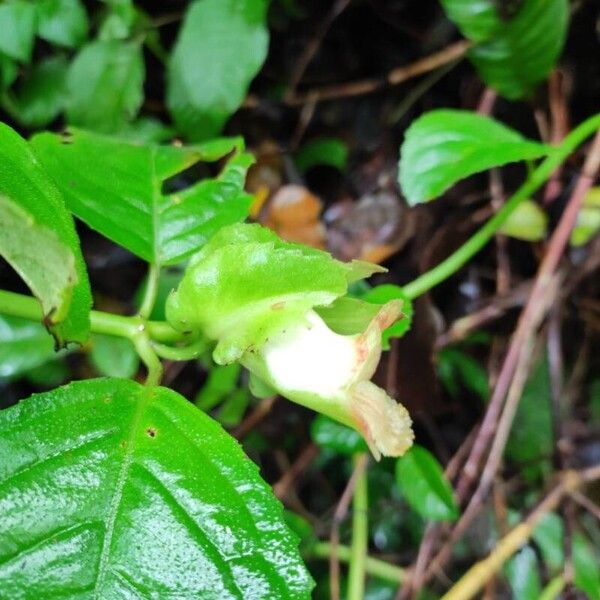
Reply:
x=256, y=295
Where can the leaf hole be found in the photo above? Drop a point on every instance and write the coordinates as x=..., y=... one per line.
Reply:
x=151, y=432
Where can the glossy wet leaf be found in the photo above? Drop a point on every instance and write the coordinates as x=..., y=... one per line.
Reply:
x=24, y=345
x=41, y=96
x=444, y=146
x=332, y=435
x=116, y=188
x=105, y=85
x=220, y=47
x=523, y=575
x=62, y=22
x=114, y=356
x=38, y=239
x=110, y=490
x=422, y=482
x=17, y=24
x=524, y=49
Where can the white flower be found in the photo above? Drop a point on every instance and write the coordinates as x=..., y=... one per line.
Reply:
x=318, y=368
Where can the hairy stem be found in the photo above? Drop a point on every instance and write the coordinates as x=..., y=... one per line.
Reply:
x=456, y=260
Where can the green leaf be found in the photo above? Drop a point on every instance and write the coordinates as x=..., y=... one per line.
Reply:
x=24, y=345
x=221, y=382
x=444, y=146
x=114, y=356
x=49, y=375
x=17, y=24
x=422, y=482
x=129, y=207
x=220, y=47
x=588, y=219
x=9, y=71
x=105, y=85
x=384, y=293
x=478, y=20
x=119, y=21
x=531, y=439
x=332, y=435
x=41, y=97
x=38, y=238
x=62, y=22
x=523, y=575
x=324, y=151
x=585, y=565
x=523, y=51
x=455, y=367
x=549, y=536
x=348, y=316
x=527, y=222
x=247, y=282
x=111, y=490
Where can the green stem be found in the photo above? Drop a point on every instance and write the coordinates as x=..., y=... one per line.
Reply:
x=456, y=260
x=374, y=566
x=149, y=358
x=360, y=535
x=27, y=307
x=189, y=352
x=150, y=292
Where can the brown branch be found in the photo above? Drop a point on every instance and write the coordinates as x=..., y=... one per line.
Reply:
x=398, y=75
x=313, y=46
x=513, y=372
x=477, y=576
x=263, y=408
x=281, y=487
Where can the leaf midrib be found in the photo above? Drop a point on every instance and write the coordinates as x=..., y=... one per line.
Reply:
x=115, y=505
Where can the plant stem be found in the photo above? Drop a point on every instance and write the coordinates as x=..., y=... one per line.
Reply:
x=189, y=352
x=373, y=566
x=360, y=535
x=149, y=358
x=150, y=292
x=27, y=307
x=456, y=260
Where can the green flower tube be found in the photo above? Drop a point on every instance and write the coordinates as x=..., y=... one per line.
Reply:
x=280, y=310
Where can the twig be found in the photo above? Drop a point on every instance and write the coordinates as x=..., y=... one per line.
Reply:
x=586, y=503
x=494, y=309
x=476, y=577
x=312, y=47
x=254, y=418
x=338, y=516
x=513, y=372
x=394, y=77
x=556, y=247
x=306, y=457
x=559, y=115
